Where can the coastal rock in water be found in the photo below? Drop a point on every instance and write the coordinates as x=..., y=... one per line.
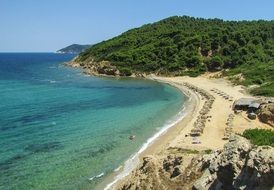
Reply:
x=266, y=114
x=73, y=63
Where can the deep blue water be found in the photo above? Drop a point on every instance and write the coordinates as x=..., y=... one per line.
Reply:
x=58, y=127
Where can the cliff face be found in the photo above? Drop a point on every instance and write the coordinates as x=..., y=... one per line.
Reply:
x=239, y=165
x=162, y=173
x=95, y=68
x=102, y=68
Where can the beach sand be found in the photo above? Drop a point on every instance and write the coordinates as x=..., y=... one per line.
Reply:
x=214, y=130
x=212, y=137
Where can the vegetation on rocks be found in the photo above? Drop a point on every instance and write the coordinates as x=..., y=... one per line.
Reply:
x=260, y=136
x=264, y=90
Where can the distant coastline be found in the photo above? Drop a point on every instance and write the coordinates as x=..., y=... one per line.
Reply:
x=73, y=49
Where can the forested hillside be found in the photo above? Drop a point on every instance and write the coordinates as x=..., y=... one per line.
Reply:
x=74, y=49
x=191, y=46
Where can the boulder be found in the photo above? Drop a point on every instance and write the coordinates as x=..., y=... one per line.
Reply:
x=266, y=114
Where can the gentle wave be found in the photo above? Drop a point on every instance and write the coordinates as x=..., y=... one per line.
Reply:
x=48, y=80
x=131, y=163
x=118, y=169
x=97, y=176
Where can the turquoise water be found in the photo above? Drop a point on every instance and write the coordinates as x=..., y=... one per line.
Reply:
x=58, y=127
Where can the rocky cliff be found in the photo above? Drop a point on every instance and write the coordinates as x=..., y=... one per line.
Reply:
x=240, y=165
x=102, y=68
x=95, y=68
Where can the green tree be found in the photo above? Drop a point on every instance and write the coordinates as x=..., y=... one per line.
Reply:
x=215, y=64
x=193, y=61
x=181, y=45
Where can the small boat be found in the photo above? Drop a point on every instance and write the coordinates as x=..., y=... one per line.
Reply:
x=131, y=137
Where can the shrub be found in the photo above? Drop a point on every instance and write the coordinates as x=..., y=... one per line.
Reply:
x=125, y=71
x=264, y=90
x=215, y=64
x=260, y=136
x=208, y=151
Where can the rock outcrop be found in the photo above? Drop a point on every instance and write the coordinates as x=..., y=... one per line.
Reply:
x=94, y=68
x=240, y=165
x=103, y=68
x=157, y=173
x=266, y=114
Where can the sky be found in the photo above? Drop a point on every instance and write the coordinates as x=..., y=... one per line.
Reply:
x=49, y=25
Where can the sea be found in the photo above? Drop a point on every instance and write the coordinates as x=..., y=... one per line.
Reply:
x=61, y=129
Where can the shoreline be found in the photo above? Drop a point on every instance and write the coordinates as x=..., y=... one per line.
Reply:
x=212, y=138
x=159, y=140
x=177, y=134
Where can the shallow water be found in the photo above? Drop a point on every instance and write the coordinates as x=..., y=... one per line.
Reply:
x=59, y=128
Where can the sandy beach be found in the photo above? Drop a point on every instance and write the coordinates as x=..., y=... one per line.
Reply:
x=177, y=137
x=212, y=137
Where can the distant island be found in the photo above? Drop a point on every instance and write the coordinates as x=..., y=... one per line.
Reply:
x=74, y=49
x=182, y=45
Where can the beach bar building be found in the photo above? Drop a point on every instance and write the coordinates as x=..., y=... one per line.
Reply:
x=253, y=107
x=246, y=104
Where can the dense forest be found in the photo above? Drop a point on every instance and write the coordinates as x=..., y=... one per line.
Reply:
x=191, y=46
